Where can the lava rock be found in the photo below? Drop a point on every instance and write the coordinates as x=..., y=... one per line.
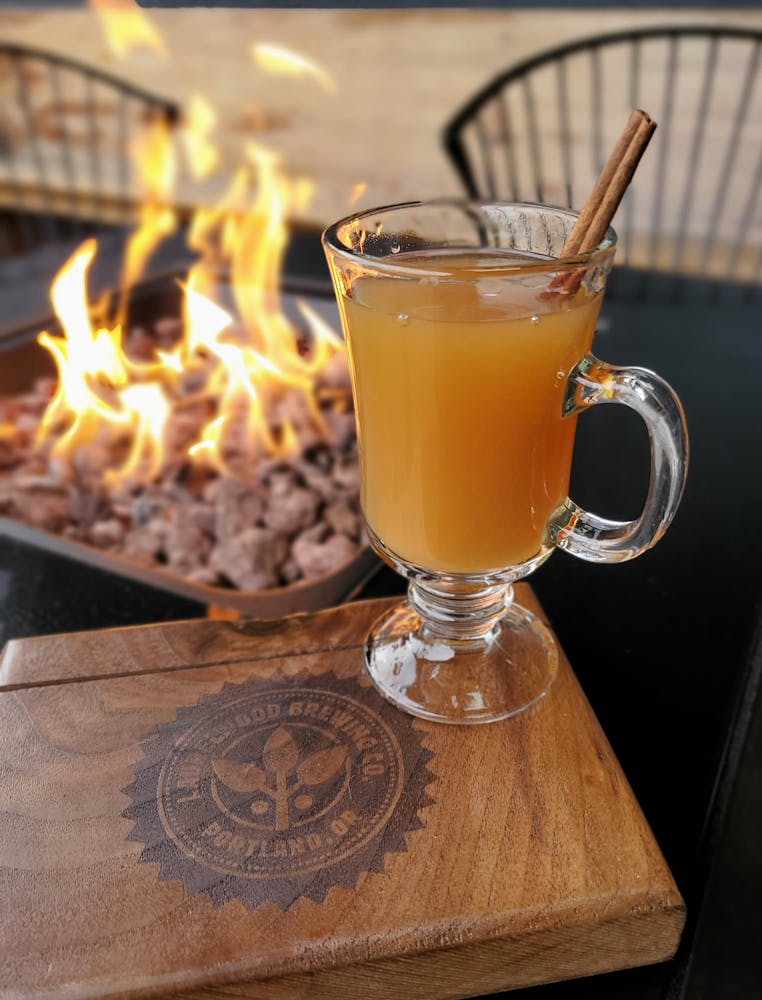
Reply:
x=187, y=545
x=236, y=507
x=251, y=559
x=290, y=511
x=107, y=534
x=343, y=519
x=317, y=558
x=145, y=543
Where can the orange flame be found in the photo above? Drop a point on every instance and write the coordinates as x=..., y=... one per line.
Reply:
x=245, y=359
x=127, y=27
x=89, y=363
x=358, y=191
x=149, y=410
x=278, y=59
x=154, y=155
x=201, y=154
x=325, y=340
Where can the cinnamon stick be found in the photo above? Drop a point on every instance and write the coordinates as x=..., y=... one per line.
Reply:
x=600, y=208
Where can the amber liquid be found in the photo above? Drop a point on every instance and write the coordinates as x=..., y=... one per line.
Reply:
x=458, y=392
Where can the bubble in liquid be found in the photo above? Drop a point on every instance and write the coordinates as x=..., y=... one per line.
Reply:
x=403, y=319
x=396, y=248
x=536, y=320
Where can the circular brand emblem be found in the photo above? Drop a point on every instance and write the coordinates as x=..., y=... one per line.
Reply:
x=274, y=790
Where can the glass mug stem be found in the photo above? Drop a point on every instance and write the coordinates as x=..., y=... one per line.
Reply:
x=468, y=618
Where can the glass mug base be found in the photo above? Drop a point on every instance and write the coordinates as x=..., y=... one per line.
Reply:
x=467, y=681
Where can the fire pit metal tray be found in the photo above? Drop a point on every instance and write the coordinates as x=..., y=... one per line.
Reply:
x=23, y=360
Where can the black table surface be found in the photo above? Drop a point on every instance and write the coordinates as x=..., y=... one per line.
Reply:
x=667, y=647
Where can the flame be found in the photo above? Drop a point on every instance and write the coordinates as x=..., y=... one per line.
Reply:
x=154, y=155
x=101, y=391
x=205, y=320
x=358, y=191
x=251, y=371
x=289, y=441
x=149, y=410
x=89, y=363
x=201, y=154
x=127, y=28
x=326, y=341
x=209, y=446
x=277, y=59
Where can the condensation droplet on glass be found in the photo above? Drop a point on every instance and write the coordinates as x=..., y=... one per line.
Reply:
x=560, y=373
x=403, y=319
x=536, y=320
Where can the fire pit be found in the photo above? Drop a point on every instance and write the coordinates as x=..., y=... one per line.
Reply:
x=195, y=433
x=303, y=546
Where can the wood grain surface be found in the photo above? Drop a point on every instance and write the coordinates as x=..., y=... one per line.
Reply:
x=533, y=861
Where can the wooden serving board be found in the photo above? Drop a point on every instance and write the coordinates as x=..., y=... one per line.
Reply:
x=190, y=805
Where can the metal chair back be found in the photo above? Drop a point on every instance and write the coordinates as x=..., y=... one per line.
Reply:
x=65, y=135
x=542, y=129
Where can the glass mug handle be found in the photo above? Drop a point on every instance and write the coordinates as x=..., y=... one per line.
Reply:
x=598, y=539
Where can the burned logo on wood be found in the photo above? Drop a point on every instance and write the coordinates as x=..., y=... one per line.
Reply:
x=272, y=790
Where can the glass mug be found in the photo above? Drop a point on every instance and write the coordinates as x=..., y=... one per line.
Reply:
x=469, y=345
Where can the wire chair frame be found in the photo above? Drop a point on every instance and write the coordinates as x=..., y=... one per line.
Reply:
x=538, y=132
x=65, y=133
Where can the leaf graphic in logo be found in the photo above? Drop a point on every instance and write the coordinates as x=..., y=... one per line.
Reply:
x=281, y=753
x=321, y=766
x=240, y=777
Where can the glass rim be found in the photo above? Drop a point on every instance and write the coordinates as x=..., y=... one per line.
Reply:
x=392, y=264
